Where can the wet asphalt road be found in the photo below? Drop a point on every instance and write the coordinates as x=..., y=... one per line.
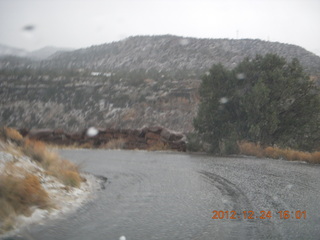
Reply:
x=156, y=195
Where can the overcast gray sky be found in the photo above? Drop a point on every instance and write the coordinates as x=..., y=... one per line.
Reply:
x=82, y=23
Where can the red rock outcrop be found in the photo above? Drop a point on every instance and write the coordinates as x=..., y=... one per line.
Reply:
x=155, y=138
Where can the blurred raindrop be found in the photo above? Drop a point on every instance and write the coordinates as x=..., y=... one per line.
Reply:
x=184, y=41
x=29, y=27
x=122, y=238
x=241, y=76
x=92, y=131
x=223, y=100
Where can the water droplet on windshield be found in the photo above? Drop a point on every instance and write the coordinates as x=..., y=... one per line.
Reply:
x=241, y=76
x=92, y=131
x=223, y=100
x=29, y=27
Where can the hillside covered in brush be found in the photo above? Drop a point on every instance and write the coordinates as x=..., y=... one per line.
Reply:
x=170, y=53
x=142, y=80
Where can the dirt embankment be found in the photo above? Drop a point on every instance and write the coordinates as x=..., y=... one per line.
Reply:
x=35, y=183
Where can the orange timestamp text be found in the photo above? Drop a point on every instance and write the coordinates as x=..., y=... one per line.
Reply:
x=286, y=214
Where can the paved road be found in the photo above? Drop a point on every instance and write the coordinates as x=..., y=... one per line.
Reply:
x=153, y=195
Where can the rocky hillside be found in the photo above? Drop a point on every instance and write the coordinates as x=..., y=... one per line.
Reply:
x=140, y=81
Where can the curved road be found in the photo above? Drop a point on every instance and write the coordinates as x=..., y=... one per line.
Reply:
x=156, y=195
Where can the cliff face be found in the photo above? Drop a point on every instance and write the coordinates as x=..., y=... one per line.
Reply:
x=140, y=81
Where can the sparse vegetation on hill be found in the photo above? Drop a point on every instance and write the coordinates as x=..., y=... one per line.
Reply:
x=140, y=81
x=171, y=53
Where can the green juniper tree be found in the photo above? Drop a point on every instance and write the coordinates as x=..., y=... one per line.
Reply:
x=265, y=100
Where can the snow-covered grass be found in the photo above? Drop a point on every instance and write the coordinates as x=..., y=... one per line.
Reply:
x=18, y=195
x=36, y=183
x=36, y=150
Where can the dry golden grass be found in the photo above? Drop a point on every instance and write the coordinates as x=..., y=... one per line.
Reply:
x=115, y=144
x=7, y=216
x=315, y=157
x=253, y=149
x=273, y=152
x=70, y=178
x=17, y=195
x=305, y=156
x=10, y=134
x=87, y=145
x=158, y=146
x=35, y=149
x=64, y=170
x=67, y=172
x=30, y=192
x=12, y=169
x=62, y=146
x=20, y=190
